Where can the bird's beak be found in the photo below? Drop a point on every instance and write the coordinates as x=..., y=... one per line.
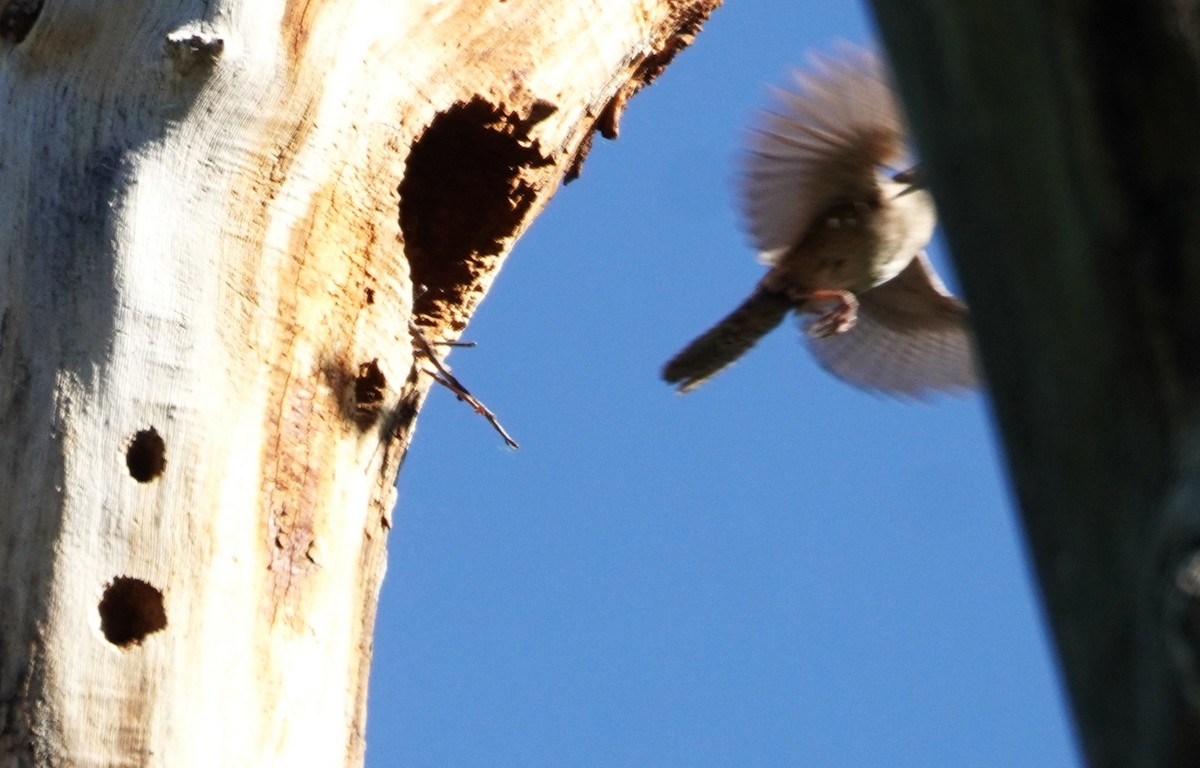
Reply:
x=912, y=177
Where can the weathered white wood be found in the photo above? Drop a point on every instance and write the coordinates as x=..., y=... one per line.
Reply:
x=204, y=244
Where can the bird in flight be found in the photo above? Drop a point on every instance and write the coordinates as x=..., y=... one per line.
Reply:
x=841, y=223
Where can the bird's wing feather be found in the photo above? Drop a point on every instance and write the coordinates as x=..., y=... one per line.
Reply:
x=821, y=148
x=912, y=338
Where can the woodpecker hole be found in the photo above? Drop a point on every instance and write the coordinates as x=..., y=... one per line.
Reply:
x=463, y=194
x=17, y=18
x=130, y=610
x=146, y=456
x=189, y=50
x=370, y=388
x=370, y=293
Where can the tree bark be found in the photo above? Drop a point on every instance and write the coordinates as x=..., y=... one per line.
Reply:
x=1062, y=141
x=214, y=217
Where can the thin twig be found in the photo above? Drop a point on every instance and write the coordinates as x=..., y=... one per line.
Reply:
x=456, y=387
x=443, y=376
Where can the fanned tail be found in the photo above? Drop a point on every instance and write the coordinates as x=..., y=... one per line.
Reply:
x=725, y=342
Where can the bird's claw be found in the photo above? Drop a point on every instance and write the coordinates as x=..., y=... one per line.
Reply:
x=837, y=320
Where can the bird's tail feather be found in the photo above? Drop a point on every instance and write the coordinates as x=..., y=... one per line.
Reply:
x=726, y=341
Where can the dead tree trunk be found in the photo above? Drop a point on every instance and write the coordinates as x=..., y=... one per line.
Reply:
x=1063, y=145
x=213, y=217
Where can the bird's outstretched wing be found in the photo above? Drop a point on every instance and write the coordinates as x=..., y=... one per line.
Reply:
x=911, y=338
x=822, y=148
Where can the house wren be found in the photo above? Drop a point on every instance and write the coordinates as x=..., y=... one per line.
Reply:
x=843, y=235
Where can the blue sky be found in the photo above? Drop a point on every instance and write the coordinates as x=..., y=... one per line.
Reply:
x=774, y=570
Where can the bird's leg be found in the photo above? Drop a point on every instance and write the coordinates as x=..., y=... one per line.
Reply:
x=839, y=319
